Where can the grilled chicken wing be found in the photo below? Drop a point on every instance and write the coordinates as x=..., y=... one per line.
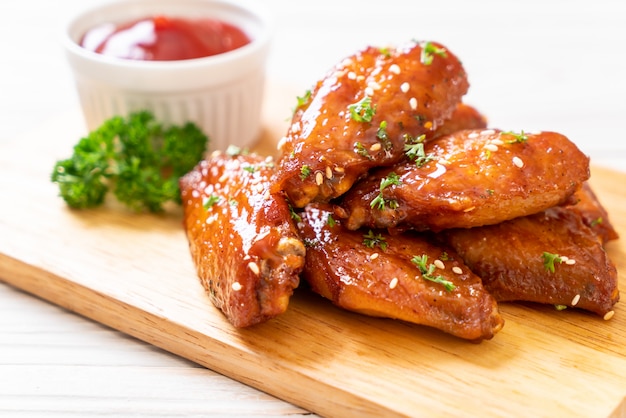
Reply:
x=373, y=273
x=467, y=179
x=594, y=214
x=246, y=250
x=551, y=257
x=360, y=115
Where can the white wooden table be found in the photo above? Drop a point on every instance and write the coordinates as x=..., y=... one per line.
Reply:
x=532, y=65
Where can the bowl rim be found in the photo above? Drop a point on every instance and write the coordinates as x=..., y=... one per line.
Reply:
x=258, y=44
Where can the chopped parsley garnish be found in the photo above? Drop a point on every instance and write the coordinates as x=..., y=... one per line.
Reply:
x=429, y=50
x=234, y=150
x=383, y=136
x=517, y=137
x=294, y=215
x=330, y=221
x=427, y=271
x=385, y=52
x=372, y=240
x=560, y=307
x=414, y=150
x=379, y=202
x=362, y=151
x=596, y=222
x=302, y=100
x=549, y=259
x=362, y=111
x=210, y=201
x=305, y=171
x=250, y=169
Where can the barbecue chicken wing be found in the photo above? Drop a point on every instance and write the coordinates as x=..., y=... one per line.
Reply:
x=361, y=114
x=403, y=277
x=593, y=213
x=551, y=257
x=246, y=250
x=467, y=179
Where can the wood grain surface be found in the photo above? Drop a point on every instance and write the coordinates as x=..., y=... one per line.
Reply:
x=134, y=273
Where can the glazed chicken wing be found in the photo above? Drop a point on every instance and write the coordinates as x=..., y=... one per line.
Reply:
x=361, y=114
x=551, y=257
x=467, y=179
x=403, y=277
x=246, y=250
x=594, y=215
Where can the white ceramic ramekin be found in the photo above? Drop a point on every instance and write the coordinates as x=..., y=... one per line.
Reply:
x=222, y=94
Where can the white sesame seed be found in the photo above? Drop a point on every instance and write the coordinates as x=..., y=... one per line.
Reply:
x=471, y=208
x=394, y=68
x=352, y=75
x=374, y=256
x=413, y=103
x=223, y=178
x=404, y=87
x=266, y=195
x=497, y=141
x=491, y=147
x=609, y=315
x=369, y=91
x=236, y=286
x=319, y=178
x=575, y=300
x=439, y=264
x=473, y=135
x=340, y=169
x=570, y=262
x=329, y=172
x=376, y=147
x=393, y=283
x=457, y=270
x=564, y=258
x=518, y=162
x=254, y=267
x=373, y=85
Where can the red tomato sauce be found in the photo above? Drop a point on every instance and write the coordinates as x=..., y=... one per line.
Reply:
x=162, y=38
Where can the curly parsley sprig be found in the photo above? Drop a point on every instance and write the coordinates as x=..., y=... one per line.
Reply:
x=136, y=158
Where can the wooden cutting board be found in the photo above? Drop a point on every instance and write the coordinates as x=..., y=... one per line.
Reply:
x=134, y=273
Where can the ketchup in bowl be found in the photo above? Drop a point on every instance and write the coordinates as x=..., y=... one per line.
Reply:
x=162, y=38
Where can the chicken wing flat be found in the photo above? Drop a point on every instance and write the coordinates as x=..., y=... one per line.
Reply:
x=593, y=213
x=402, y=277
x=361, y=114
x=469, y=178
x=244, y=245
x=551, y=257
